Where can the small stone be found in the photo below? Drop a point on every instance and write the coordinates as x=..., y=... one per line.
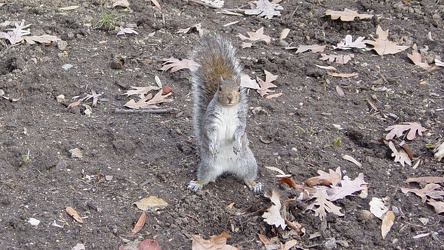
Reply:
x=62, y=45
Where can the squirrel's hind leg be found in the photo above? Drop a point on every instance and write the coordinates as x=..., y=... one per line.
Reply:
x=195, y=185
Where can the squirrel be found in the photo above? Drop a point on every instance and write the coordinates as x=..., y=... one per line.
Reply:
x=220, y=115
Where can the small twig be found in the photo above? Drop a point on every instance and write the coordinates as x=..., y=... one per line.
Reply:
x=155, y=111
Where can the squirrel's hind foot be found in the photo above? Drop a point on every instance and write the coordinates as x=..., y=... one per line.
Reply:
x=255, y=187
x=195, y=185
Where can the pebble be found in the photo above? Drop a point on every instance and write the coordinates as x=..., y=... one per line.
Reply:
x=62, y=45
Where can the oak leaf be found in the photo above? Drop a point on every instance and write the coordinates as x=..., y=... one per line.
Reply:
x=326, y=179
x=41, y=39
x=437, y=205
x=148, y=102
x=265, y=86
x=140, y=91
x=264, y=8
x=214, y=243
x=347, y=187
x=314, y=48
x=439, y=151
x=348, y=43
x=176, y=64
x=400, y=156
x=382, y=45
x=346, y=15
x=151, y=203
x=273, y=215
x=341, y=59
x=426, y=179
x=321, y=206
x=123, y=31
x=430, y=190
x=258, y=35
x=399, y=129
x=140, y=223
x=15, y=35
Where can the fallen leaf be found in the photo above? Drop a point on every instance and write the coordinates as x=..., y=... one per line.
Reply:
x=326, y=179
x=314, y=48
x=382, y=45
x=429, y=190
x=341, y=59
x=273, y=215
x=197, y=27
x=281, y=173
x=400, y=156
x=140, y=223
x=347, y=187
x=421, y=235
x=437, y=205
x=326, y=67
x=399, y=129
x=284, y=34
x=120, y=3
x=258, y=35
x=73, y=213
x=176, y=64
x=151, y=203
x=148, y=245
x=15, y=35
x=346, y=15
x=340, y=92
x=345, y=75
x=148, y=102
x=426, y=179
x=348, y=43
x=247, y=82
x=140, y=91
x=417, y=60
x=351, y=159
x=273, y=95
x=76, y=153
x=265, y=86
x=439, y=151
x=387, y=223
x=156, y=3
x=290, y=182
x=264, y=8
x=33, y=221
x=378, y=207
x=214, y=243
x=41, y=39
x=123, y=31
x=321, y=206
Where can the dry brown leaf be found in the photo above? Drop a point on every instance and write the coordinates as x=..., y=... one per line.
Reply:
x=437, y=205
x=382, y=45
x=399, y=129
x=273, y=215
x=321, y=206
x=151, y=203
x=346, y=15
x=176, y=64
x=73, y=213
x=348, y=43
x=120, y=3
x=351, y=159
x=430, y=190
x=266, y=85
x=387, y=223
x=339, y=91
x=314, y=48
x=41, y=39
x=439, y=151
x=258, y=35
x=247, y=82
x=426, y=179
x=140, y=223
x=197, y=27
x=400, y=156
x=345, y=75
x=140, y=91
x=214, y=243
x=341, y=59
x=156, y=3
x=347, y=187
x=273, y=95
x=290, y=182
x=264, y=239
x=417, y=60
x=326, y=179
x=378, y=207
x=284, y=34
x=264, y=8
x=149, y=102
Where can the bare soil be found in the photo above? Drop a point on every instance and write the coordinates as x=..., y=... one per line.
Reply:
x=128, y=156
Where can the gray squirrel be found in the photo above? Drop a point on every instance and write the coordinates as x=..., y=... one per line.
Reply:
x=220, y=115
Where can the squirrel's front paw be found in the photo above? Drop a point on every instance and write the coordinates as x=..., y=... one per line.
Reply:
x=212, y=149
x=195, y=185
x=237, y=146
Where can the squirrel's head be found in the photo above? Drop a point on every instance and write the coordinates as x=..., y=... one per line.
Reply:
x=229, y=92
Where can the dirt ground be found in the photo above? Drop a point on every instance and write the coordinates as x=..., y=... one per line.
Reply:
x=128, y=156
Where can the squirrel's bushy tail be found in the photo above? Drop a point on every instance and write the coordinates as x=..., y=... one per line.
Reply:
x=217, y=58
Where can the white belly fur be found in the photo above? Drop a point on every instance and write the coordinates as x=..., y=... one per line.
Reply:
x=226, y=158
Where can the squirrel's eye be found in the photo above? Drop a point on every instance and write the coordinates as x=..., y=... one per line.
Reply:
x=220, y=88
x=238, y=90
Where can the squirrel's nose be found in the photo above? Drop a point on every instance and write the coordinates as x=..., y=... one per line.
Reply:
x=230, y=99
